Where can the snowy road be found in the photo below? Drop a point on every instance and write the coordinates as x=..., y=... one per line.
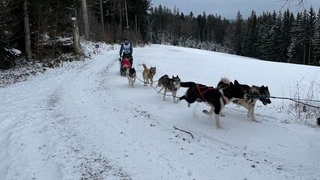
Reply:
x=84, y=121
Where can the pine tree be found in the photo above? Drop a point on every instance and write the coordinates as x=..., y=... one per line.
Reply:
x=251, y=36
x=237, y=39
x=138, y=16
x=285, y=36
x=266, y=24
x=275, y=38
x=297, y=47
x=310, y=29
x=9, y=32
x=202, y=24
x=316, y=42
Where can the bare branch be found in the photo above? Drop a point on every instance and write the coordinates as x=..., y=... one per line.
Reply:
x=184, y=131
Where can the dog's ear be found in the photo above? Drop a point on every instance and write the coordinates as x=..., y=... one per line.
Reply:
x=236, y=83
x=264, y=87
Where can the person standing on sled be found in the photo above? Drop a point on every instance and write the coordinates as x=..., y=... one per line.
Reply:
x=126, y=50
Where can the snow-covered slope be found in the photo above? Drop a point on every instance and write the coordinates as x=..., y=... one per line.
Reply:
x=84, y=121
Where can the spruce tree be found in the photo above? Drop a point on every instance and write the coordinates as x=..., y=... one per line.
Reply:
x=310, y=30
x=238, y=35
x=250, y=45
x=316, y=42
x=286, y=36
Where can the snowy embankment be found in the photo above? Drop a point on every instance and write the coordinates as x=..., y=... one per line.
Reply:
x=83, y=120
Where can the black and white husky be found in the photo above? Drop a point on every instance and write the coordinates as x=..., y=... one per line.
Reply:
x=252, y=94
x=131, y=75
x=169, y=85
x=216, y=98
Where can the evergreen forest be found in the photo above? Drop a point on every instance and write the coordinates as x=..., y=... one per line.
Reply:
x=47, y=29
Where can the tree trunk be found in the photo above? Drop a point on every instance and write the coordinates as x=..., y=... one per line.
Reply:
x=76, y=37
x=102, y=19
x=126, y=11
x=27, y=31
x=136, y=25
x=85, y=19
x=120, y=18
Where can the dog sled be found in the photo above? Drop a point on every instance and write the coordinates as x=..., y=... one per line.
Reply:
x=125, y=63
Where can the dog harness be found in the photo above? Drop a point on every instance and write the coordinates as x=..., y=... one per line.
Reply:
x=202, y=89
x=126, y=63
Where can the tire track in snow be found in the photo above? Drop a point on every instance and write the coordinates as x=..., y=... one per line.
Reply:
x=71, y=96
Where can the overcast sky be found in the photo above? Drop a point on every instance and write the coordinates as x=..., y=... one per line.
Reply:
x=229, y=8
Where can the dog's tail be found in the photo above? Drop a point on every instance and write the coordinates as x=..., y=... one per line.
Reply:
x=223, y=83
x=225, y=80
x=187, y=84
x=144, y=66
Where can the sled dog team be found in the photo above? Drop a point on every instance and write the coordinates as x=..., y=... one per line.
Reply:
x=216, y=97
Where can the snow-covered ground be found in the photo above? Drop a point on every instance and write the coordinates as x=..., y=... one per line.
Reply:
x=83, y=121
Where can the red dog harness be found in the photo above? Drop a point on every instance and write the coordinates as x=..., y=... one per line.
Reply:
x=202, y=89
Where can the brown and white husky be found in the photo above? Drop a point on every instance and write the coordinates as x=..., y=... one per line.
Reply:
x=169, y=85
x=148, y=74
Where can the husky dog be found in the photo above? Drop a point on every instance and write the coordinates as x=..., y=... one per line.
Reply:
x=131, y=75
x=148, y=74
x=169, y=85
x=216, y=98
x=252, y=94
